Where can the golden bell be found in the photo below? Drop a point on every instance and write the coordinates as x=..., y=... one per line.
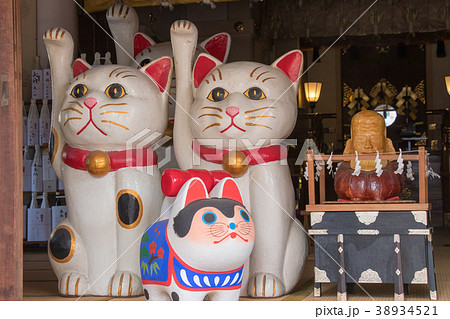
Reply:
x=235, y=163
x=98, y=163
x=169, y=133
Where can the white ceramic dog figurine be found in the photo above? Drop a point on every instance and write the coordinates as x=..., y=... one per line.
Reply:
x=250, y=108
x=112, y=190
x=200, y=251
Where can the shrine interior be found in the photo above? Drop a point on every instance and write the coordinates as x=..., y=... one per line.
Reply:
x=390, y=57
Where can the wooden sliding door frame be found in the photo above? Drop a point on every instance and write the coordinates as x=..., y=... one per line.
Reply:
x=11, y=217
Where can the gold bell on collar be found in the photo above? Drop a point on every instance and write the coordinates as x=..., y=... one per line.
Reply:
x=98, y=163
x=235, y=163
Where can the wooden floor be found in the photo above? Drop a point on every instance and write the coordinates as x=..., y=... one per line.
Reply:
x=40, y=283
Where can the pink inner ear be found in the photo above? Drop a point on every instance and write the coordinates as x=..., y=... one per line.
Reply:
x=201, y=69
x=195, y=192
x=79, y=68
x=217, y=46
x=140, y=43
x=291, y=65
x=230, y=190
x=159, y=71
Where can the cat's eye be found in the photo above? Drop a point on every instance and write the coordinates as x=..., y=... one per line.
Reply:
x=217, y=95
x=209, y=218
x=144, y=62
x=79, y=90
x=245, y=216
x=115, y=91
x=255, y=93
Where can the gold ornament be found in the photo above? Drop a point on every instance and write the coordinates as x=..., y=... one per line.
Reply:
x=235, y=163
x=98, y=163
x=169, y=133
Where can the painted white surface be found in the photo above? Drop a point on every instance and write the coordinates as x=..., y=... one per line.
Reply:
x=106, y=255
x=281, y=246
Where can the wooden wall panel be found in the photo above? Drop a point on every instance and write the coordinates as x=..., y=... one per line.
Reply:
x=11, y=216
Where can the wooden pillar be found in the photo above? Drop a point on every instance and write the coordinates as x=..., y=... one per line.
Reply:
x=11, y=227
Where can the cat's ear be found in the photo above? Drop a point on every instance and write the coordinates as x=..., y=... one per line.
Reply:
x=80, y=66
x=227, y=188
x=160, y=71
x=141, y=42
x=218, y=46
x=204, y=64
x=291, y=64
x=192, y=190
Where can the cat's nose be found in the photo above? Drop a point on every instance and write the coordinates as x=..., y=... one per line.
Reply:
x=232, y=111
x=90, y=102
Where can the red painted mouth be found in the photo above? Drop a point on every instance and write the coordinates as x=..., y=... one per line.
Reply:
x=231, y=125
x=91, y=121
x=233, y=235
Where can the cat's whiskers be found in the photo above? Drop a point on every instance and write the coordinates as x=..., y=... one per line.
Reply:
x=212, y=125
x=254, y=124
x=71, y=118
x=71, y=109
x=258, y=109
x=257, y=117
x=77, y=103
x=115, y=123
x=209, y=114
x=109, y=104
x=119, y=112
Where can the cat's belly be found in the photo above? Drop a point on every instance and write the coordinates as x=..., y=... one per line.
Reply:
x=91, y=202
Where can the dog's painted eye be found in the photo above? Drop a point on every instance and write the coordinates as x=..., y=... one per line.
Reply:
x=115, y=91
x=79, y=90
x=209, y=218
x=255, y=93
x=245, y=216
x=217, y=95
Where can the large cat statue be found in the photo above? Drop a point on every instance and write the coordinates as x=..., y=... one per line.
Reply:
x=138, y=49
x=112, y=189
x=199, y=252
x=242, y=111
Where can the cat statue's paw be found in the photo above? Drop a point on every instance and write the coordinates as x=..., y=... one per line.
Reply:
x=120, y=12
x=57, y=35
x=125, y=284
x=265, y=285
x=183, y=27
x=73, y=284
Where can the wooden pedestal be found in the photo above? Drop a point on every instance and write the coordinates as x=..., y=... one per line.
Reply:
x=371, y=242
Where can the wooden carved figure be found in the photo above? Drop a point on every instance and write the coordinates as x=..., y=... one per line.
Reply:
x=112, y=189
x=368, y=136
x=246, y=109
x=200, y=251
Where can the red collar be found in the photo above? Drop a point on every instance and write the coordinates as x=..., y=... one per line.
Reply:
x=255, y=156
x=76, y=158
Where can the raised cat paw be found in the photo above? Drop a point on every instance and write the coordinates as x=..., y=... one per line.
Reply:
x=125, y=284
x=265, y=285
x=57, y=35
x=73, y=284
x=183, y=27
x=120, y=12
